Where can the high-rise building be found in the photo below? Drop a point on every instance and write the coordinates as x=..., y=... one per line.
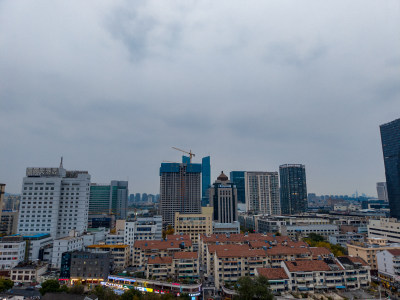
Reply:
x=381, y=190
x=205, y=180
x=109, y=199
x=2, y=192
x=293, y=188
x=137, y=197
x=223, y=198
x=262, y=192
x=390, y=135
x=145, y=197
x=237, y=178
x=54, y=201
x=179, y=190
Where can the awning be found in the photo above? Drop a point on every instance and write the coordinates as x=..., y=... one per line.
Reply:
x=321, y=287
x=340, y=287
x=303, y=288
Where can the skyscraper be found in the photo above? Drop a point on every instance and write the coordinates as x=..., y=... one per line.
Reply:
x=179, y=190
x=390, y=136
x=205, y=180
x=54, y=201
x=262, y=192
x=109, y=198
x=293, y=188
x=381, y=190
x=2, y=191
x=205, y=177
x=237, y=178
x=223, y=198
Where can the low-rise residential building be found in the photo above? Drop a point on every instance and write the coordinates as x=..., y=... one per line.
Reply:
x=344, y=238
x=159, y=268
x=226, y=228
x=28, y=273
x=388, y=262
x=119, y=254
x=388, y=228
x=186, y=266
x=143, y=250
x=194, y=225
x=296, y=231
x=277, y=278
x=367, y=251
x=12, y=251
x=67, y=244
x=231, y=264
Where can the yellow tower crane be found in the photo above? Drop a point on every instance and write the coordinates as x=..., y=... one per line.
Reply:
x=191, y=154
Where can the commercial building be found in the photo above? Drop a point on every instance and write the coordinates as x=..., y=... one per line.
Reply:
x=226, y=228
x=54, y=201
x=85, y=266
x=119, y=254
x=194, y=225
x=223, y=197
x=344, y=238
x=389, y=267
x=296, y=231
x=9, y=222
x=262, y=193
x=109, y=199
x=28, y=273
x=2, y=192
x=237, y=178
x=368, y=251
x=381, y=190
x=205, y=180
x=101, y=220
x=390, y=136
x=293, y=189
x=179, y=190
x=39, y=247
x=12, y=251
x=388, y=228
x=67, y=244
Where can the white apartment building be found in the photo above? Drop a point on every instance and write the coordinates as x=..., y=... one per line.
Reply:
x=225, y=228
x=54, y=201
x=389, y=266
x=142, y=229
x=388, y=228
x=12, y=251
x=325, y=230
x=115, y=239
x=67, y=244
x=262, y=193
x=39, y=246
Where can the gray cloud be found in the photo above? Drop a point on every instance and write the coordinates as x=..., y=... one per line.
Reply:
x=113, y=85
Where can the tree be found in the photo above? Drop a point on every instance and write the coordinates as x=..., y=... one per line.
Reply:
x=77, y=289
x=104, y=293
x=253, y=288
x=6, y=284
x=131, y=295
x=168, y=231
x=50, y=286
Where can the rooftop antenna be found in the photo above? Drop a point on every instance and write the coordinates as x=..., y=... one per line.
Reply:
x=61, y=163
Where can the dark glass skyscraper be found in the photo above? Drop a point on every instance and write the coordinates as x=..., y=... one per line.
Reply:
x=237, y=178
x=390, y=135
x=205, y=180
x=293, y=189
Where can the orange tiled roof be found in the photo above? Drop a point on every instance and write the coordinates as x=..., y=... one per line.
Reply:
x=185, y=255
x=307, y=265
x=161, y=244
x=285, y=250
x=160, y=260
x=395, y=252
x=272, y=273
x=320, y=251
x=178, y=237
x=356, y=259
x=234, y=247
x=240, y=253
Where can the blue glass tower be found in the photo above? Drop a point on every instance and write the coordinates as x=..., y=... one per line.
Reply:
x=293, y=189
x=237, y=178
x=390, y=136
x=205, y=180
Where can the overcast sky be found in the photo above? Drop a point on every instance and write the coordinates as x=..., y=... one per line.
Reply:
x=113, y=85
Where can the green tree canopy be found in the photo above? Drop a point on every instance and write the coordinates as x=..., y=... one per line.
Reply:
x=50, y=286
x=6, y=284
x=249, y=288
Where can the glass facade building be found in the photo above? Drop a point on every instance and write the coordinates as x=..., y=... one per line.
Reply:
x=237, y=178
x=293, y=189
x=390, y=136
x=205, y=180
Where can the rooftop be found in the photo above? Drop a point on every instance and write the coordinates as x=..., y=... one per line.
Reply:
x=307, y=266
x=185, y=255
x=272, y=273
x=160, y=260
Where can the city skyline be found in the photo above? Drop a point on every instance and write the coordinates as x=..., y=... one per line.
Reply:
x=306, y=82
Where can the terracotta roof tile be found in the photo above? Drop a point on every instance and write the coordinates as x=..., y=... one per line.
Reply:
x=185, y=255
x=395, y=252
x=307, y=265
x=160, y=260
x=285, y=250
x=240, y=253
x=161, y=244
x=235, y=247
x=272, y=273
x=320, y=251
